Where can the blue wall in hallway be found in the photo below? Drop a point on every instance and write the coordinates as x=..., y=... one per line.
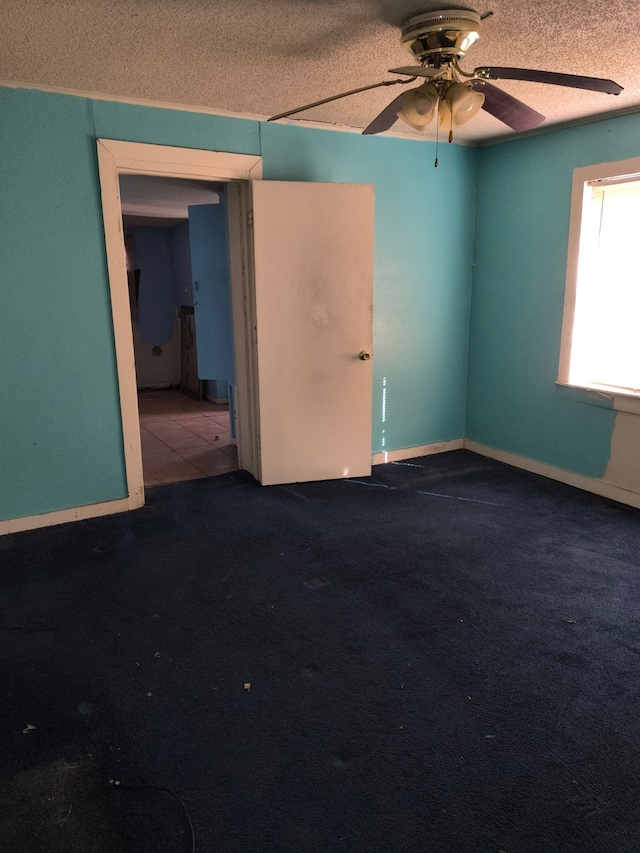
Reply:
x=156, y=306
x=181, y=264
x=212, y=293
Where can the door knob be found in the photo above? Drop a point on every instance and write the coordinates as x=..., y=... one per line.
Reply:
x=364, y=355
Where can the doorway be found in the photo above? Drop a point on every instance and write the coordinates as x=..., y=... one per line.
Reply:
x=116, y=158
x=184, y=386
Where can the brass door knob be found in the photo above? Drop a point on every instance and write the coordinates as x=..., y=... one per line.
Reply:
x=364, y=355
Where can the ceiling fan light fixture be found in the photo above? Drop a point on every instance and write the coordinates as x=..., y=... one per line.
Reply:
x=438, y=40
x=462, y=103
x=418, y=106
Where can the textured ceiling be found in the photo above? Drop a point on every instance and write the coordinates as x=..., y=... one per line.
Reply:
x=261, y=57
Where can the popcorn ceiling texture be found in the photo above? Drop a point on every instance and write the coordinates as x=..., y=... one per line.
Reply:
x=261, y=57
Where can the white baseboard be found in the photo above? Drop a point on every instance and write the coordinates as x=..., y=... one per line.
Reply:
x=579, y=481
x=63, y=516
x=419, y=450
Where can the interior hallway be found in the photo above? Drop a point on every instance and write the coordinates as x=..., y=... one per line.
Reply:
x=182, y=438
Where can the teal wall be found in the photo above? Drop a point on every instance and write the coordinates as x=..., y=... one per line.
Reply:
x=524, y=193
x=441, y=378
x=60, y=431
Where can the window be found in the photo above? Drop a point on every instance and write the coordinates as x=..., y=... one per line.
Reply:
x=601, y=328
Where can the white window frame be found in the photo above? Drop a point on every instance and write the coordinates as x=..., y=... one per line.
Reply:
x=615, y=172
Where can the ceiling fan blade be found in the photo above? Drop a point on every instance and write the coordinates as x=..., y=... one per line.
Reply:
x=336, y=97
x=574, y=81
x=384, y=120
x=506, y=108
x=419, y=71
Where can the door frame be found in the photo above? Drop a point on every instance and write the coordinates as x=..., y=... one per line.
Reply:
x=115, y=158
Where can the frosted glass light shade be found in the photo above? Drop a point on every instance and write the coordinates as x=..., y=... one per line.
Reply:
x=418, y=106
x=462, y=103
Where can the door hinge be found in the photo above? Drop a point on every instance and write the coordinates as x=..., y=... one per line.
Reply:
x=250, y=218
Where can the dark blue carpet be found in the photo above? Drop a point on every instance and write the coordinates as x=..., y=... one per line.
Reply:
x=442, y=657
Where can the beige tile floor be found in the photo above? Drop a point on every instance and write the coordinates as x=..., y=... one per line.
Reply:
x=183, y=439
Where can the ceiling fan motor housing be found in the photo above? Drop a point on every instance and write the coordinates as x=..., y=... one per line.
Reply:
x=436, y=38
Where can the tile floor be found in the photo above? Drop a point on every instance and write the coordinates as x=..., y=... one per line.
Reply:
x=183, y=439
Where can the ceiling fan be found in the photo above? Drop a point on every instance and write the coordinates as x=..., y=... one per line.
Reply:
x=439, y=40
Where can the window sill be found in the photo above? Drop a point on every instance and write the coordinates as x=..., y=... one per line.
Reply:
x=606, y=398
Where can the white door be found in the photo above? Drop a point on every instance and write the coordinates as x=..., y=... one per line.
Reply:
x=313, y=264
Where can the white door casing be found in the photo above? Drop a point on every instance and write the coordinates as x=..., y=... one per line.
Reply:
x=115, y=158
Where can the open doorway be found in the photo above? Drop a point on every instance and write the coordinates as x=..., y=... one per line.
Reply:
x=176, y=249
